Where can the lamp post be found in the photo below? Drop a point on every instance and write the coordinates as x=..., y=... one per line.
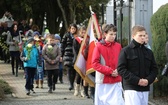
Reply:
x=115, y=13
x=121, y=19
x=44, y=23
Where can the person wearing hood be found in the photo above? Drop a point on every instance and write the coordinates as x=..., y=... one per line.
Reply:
x=30, y=58
x=13, y=40
x=60, y=74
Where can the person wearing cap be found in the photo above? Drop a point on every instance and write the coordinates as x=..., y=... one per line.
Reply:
x=36, y=35
x=40, y=71
x=60, y=74
x=30, y=58
x=46, y=34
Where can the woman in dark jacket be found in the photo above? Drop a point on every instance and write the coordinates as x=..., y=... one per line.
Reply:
x=67, y=53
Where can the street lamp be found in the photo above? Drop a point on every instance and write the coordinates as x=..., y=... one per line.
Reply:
x=44, y=23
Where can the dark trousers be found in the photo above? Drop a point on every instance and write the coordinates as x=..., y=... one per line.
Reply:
x=71, y=75
x=78, y=79
x=30, y=73
x=60, y=71
x=15, y=60
x=52, y=76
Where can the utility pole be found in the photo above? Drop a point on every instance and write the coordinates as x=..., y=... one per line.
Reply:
x=115, y=13
x=121, y=19
x=129, y=21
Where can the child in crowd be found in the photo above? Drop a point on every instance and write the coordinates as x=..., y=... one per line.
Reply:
x=30, y=58
x=51, y=54
x=39, y=73
x=60, y=75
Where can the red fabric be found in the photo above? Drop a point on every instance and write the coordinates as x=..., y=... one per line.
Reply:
x=79, y=39
x=110, y=53
x=90, y=54
x=40, y=43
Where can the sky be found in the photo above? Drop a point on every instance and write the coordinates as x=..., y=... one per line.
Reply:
x=157, y=4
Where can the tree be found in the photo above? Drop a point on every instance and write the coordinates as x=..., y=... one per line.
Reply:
x=159, y=29
x=77, y=11
x=58, y=11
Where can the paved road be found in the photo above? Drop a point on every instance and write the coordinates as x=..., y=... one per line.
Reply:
x=61, y=96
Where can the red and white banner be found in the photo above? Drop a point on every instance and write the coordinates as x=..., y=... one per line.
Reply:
x=83, y=63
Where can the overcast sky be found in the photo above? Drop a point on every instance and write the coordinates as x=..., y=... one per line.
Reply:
x=157, y=4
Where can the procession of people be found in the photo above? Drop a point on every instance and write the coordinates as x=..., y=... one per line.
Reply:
x=129, y=70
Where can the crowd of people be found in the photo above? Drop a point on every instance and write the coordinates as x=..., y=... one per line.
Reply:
x=129, y=70
x=41, y=55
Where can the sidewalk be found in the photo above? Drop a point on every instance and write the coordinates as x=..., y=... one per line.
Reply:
x=61, y=94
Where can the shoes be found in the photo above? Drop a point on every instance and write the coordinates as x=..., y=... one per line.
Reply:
x=71, y=88
x=61, y=81
x=87, y=96
x=53, y=87
x=33, y=91
x=27, y=92
x=50, y=91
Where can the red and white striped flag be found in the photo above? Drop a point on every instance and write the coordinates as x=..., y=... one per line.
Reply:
x=83, y=63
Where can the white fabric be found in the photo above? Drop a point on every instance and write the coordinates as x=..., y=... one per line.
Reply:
x=133, y=97
x=99, y=77
x=109, y=94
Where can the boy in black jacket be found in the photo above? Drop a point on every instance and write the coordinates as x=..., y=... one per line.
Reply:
x=138, y=68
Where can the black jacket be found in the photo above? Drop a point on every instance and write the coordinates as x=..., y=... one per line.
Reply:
x=76, y=47
x=67, y=49
x=136, y=62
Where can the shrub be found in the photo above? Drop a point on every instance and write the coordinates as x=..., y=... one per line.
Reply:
x=159, y=29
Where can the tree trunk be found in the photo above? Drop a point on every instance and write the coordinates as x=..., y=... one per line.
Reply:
x=51, y=16
x=72, y=13
x=63, y=14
